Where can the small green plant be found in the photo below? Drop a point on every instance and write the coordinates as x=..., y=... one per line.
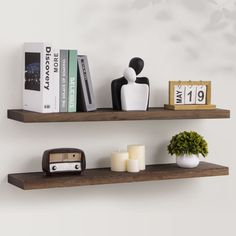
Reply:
x=190, y=143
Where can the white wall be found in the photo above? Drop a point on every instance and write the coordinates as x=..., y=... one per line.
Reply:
x=179, y=40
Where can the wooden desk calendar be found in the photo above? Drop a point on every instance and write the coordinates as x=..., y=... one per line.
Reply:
x=190, y=95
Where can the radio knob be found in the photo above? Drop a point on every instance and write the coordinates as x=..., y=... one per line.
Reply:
x=54, y=168
x=76, y=167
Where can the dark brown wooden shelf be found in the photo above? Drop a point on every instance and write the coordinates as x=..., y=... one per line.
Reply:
x=107, y=114
x=39, y=180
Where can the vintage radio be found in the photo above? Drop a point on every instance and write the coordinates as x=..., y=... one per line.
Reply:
x=63, y=160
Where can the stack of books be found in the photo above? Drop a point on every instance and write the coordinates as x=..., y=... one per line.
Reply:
x=56, y=80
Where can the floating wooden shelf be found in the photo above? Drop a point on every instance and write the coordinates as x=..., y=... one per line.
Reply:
x=39, y=180
x=106, y=114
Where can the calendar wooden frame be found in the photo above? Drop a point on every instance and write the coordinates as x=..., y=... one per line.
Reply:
x=173, y=106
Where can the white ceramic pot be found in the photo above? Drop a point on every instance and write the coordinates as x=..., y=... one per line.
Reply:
x=187, y=161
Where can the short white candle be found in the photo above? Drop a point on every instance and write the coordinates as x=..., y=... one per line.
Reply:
x=133, y=165
x=137, y=152
x=119, y=161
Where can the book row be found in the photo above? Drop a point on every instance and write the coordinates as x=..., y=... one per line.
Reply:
x=56, y=80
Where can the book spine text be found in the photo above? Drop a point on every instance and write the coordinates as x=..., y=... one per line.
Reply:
x=72, y=87
x=63, y=81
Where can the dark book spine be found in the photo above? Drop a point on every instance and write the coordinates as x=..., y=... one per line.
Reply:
x=88, y=100
x=81, y=106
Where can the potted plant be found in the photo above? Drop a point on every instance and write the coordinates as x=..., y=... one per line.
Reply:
x=187, y=146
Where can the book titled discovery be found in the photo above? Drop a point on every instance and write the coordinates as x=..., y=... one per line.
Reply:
x=39, y=93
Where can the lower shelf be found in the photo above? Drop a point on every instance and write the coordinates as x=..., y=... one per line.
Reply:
x=38, y=180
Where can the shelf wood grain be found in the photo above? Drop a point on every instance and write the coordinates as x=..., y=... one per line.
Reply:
x=38, y=180
x=107, y=114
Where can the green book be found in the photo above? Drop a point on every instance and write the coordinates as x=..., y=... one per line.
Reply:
x=72, y=86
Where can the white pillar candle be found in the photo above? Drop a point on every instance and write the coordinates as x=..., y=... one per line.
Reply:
x=119, y=161
x=133, y=165
x=137, y=152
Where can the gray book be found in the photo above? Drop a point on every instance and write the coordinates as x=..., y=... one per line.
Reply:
x=85, y=95
x=63, y=97
x=72, y=86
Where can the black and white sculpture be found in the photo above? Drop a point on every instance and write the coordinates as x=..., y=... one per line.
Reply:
x=137, y=65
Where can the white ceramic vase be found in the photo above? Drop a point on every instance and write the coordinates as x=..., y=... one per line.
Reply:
x=187, y=161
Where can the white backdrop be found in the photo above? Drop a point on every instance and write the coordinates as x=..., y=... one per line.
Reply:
x=178, y=40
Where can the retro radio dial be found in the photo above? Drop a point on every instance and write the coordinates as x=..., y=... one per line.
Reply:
x=54, y=168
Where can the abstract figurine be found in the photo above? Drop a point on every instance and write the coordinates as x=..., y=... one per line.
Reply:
x=137, y=65
x=134, y=96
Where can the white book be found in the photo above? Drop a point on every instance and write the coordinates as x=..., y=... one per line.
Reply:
x=38, y=87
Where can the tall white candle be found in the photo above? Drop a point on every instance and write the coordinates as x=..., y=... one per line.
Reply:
x=137, y=152
x=119, y=161
x=133, y=165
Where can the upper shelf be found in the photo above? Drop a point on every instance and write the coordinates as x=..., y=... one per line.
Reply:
x=107, y=114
